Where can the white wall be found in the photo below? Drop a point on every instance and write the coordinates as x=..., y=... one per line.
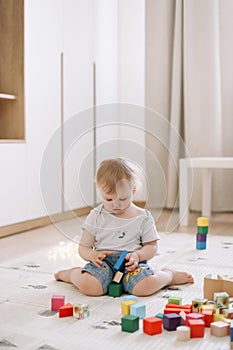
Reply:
x=20, y=162
x=107, y=32
x=132, y=82
x=78, y=42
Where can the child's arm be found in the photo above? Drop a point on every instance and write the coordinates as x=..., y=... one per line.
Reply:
x=87, y=252
x=147, y=252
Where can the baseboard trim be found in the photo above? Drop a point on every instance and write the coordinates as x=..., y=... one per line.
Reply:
x=40, y=222
x=47, y=220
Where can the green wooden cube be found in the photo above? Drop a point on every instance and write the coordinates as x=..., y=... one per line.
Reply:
x=115, y=289
x=202, y=229
x=129, y=323
x=159, y=315
x=175, y=300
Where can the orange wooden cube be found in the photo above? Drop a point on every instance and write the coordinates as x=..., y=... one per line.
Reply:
x=186, y=306
x=175, y=310
x=152, y=325
x=208, y=317
x=197, y=328
x=66, y=310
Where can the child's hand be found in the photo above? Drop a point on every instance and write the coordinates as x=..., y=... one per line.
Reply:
x=99, y=256
x=133, y=261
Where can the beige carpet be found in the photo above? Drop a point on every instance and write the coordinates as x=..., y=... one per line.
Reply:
x=27, y=286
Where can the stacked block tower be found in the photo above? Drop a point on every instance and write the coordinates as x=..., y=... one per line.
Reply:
x=202, y=230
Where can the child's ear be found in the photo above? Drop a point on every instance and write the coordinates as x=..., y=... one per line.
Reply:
x=134, y=189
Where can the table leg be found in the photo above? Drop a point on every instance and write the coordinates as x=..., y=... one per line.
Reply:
x=206, y=191
x=184, y=194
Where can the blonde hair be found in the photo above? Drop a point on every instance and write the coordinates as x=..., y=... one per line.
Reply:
x=111, y=171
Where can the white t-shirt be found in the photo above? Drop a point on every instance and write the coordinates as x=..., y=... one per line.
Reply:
x=114, y=233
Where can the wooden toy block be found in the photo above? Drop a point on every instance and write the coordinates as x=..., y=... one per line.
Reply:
x=172, y=310
x=218, y=317
x=117, y=277
x=66, y=310
x=200, y=245
x=138, y=309
x=125, y=306
x=130, y=297
x=186, y=306
x=115, y=289
x=202, y=230
x=208, y=307
x=197, y=304
x=221, y=300
x=208, y=317
x=171, y=321
x=175, y=300
x=194, y=316
x=81, y=311
x=152, y=325
x=182, y=318
x=201, y=238
x=129, y=323
x=120, y=264
x=219, y=329
x=231, y=345
x=231, y=331
x=159, y=315
x=228, y=313
x=182, y=333
x=197, y=328
x=202, y=221
x=57, y=301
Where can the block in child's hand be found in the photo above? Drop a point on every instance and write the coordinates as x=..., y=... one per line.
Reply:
x=120, y=264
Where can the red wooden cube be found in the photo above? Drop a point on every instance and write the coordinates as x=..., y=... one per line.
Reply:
x=57, y=301
x=194, y=316
x=197, y=328
x=208, y=317
x=152, y=325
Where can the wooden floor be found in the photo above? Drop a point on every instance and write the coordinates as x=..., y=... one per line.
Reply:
x=166, y=221
x=219, y=223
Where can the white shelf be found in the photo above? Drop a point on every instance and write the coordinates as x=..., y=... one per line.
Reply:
x=8, y=96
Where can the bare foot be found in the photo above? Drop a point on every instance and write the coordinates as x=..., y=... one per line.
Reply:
x=180, y=277
x=64, y=275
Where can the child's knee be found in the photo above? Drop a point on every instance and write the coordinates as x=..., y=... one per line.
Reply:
x=90, y=285
x=145, y=287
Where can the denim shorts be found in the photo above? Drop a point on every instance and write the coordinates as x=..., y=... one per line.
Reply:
x=106, y=272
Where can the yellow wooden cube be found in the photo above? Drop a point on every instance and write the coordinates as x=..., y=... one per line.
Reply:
x=202, y=221
x=218, y=317
x=125, y=306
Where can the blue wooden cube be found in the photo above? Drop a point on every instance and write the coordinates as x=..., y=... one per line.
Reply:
x=231, y=331
x=200, y=245
x=171, y=321
x=138, y=309
x=130, y=297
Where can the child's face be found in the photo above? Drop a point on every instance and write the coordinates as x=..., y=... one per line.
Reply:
x=118, y=201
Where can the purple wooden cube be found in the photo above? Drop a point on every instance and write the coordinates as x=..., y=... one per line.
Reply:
x=201, y=237
x=171, y=321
